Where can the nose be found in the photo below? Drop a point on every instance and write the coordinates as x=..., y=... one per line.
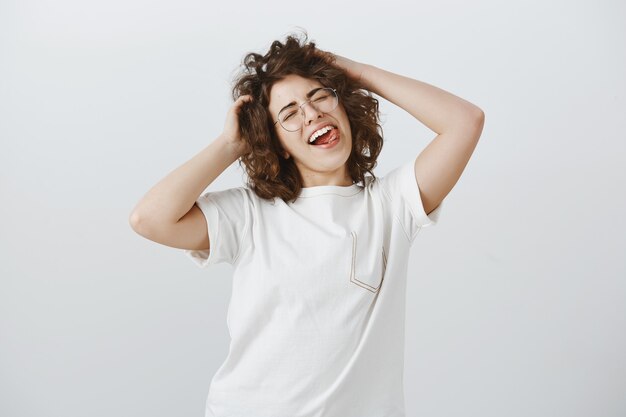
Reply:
x=314, y=114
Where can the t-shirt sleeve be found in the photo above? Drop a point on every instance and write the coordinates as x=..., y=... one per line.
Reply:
x=402, y=190
x=227, y=214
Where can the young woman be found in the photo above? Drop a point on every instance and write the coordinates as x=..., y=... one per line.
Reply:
x=320, y=250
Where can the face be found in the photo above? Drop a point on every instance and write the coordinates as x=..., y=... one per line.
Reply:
x=318, y=165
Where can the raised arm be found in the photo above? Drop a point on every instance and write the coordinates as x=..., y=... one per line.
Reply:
x=457, y=122
x=167, y=213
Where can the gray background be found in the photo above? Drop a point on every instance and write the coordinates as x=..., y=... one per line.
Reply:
x=515, y=299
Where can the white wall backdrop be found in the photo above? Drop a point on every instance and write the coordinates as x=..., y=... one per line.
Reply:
x=515, y=299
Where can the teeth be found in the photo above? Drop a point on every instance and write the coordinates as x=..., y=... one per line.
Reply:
x=319, y=133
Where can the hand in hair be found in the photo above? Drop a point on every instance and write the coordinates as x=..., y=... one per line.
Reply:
x=232, y=132
x=355, y=70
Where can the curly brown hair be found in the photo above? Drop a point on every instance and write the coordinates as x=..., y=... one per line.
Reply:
x=270, y=174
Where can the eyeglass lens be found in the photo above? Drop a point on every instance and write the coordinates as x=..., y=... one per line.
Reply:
x=324, y=100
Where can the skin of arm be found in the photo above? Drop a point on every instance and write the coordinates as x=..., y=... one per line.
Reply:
x=173, y=196
x=457, y=122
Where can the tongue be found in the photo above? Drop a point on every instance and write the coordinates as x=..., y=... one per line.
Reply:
x=325, y=138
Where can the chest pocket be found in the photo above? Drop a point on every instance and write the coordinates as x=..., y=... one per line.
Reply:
x=368, y=266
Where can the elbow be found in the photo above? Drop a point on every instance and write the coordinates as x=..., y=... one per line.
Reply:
x=472, y=126
x=477, y=119
x=139, y=224
x=480, y=120
x=479, y=124
x=134, y=220
x=473, y=119
x=479, y=115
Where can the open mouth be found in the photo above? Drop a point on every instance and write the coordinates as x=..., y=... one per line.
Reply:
x=328, y=137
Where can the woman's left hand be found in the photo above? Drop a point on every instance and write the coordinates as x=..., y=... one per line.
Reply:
x=355, y=70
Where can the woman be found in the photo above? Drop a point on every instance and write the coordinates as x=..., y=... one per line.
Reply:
x=320, y=250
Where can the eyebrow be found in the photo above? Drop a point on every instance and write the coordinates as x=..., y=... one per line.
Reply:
x=308, y=95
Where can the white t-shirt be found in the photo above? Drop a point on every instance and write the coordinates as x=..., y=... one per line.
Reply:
x=316, y=316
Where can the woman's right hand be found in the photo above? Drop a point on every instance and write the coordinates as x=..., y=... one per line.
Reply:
x=232, y=132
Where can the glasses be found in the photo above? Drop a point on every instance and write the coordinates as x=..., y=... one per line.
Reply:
x=324, y=100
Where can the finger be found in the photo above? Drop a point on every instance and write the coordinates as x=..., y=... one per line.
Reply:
x=243, y=99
